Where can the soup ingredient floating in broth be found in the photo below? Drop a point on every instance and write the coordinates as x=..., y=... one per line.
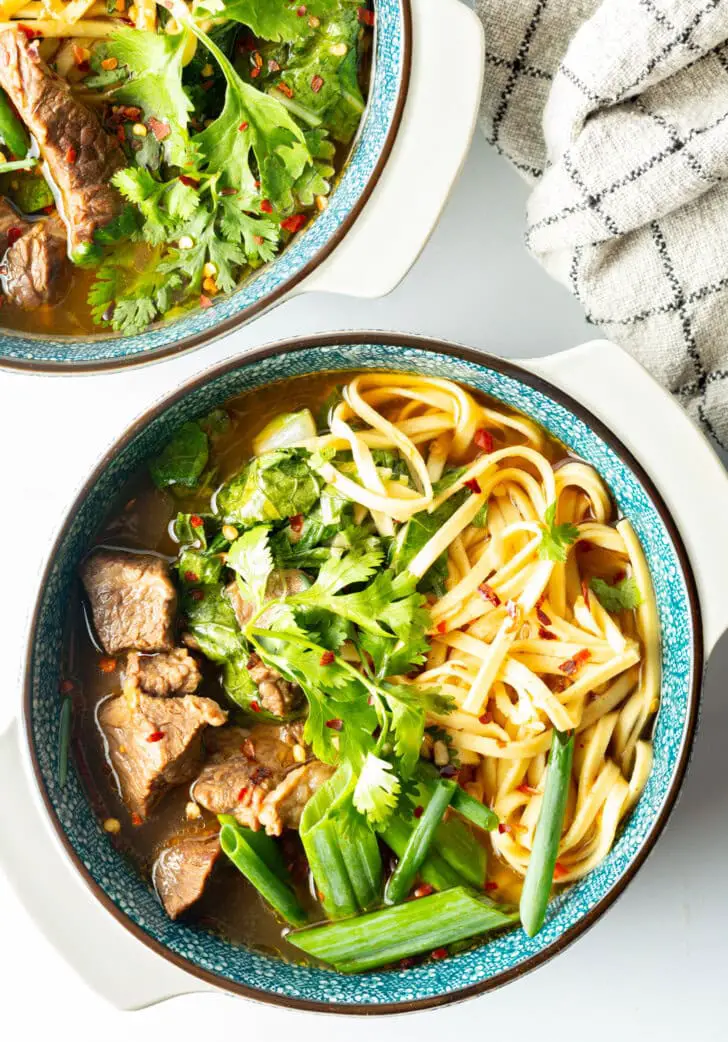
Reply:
x=185, y=149
x=431, y=636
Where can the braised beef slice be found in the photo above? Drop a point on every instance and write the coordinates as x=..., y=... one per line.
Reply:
x=168, y=673
x=155, y=743
x=39, y=269
x=256, y=778
x=275, y=694
x=81, y=156
x=182, y=869
x=132, y=600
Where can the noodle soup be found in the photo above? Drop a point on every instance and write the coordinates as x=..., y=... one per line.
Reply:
x=358, y=638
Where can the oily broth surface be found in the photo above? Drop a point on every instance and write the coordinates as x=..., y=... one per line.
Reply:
x=140, y=519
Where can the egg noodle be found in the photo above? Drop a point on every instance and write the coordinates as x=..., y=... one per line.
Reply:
x=520, y=643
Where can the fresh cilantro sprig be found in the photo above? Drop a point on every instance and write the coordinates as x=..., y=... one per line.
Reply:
x=556, y=539
x=622, y=596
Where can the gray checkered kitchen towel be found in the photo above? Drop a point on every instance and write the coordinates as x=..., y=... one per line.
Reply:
x=617, y=111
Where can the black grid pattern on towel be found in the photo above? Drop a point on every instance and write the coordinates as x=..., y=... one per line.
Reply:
x=520, y=71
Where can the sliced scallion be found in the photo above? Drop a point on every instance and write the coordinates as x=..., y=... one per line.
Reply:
x=419, y=843
x=258, y=863
x=400, y=931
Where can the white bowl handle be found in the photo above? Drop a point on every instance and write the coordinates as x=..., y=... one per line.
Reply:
x=673, y=451
x=107, y=957
x=428, y=154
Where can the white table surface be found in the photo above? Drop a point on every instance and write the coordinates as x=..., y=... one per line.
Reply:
x=656, y=965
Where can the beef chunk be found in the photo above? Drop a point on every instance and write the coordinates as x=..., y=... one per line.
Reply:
x=250, y=777
x=81, y=156
x=275, y=694
x=169, y=673
x=282, y=808
x=39, y=269
x=155, y=743
x=132, y=600
x=181, y=871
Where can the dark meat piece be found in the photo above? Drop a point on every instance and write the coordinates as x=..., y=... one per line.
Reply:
x=155, y=743
x=39, y=269
x=169, y=673
x=282, y=808
x=132, y=599
x=257, y=778
x=81, y=156
x=181, y=871
x=276, y=695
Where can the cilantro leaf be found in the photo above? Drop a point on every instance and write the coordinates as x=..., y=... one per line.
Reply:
x=556, y=539
x=154, y=83
x=251, y=558
x=622, y=596
x=376, y=790
x=183, y=458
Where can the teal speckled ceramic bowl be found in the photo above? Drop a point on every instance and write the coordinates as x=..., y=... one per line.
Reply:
x=113, y=880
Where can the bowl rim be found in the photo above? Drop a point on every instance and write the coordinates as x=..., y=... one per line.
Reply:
x=194, y=341
x=507, y=368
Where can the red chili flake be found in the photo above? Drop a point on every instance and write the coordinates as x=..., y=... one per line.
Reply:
x=66, y=686
x=585, y=591
x=316, y=84
x=542, y=617
x=365, y=16
x=489, y=594
x=418, y=811
x=257, y=60
x=484, y=440
x=502, y=828
x=243, y=126
x=285, y=89
x=327, y=658
x=336, y=724
x=423, y=890
x=107, y=664
x=490, y=886
x=191, y=182
x=301, y=11
x=527, y=790
x=255, y=707
x=207, y=84
x=256, y=184
x=228, y=191
x=197, y=595
x=296, y=522
x=560, y=870
x=49, y=209
x=29, y=33
x=486, y=718
x=258, y=240
x=273, y=65
x=137, y=819
x=191, y=577
x=441, y=627
x=71, y=155
x=439, y=953
x=294, y=223
x=196, y=521
x=241, y=794
x=155, y=736
x=254, y=73
x=205, y=302
x=545, y=634
x=14, y=234
x=473, y=485
x=121, y=135
x=572, y=664
x=159, y=127
x=265, y=206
